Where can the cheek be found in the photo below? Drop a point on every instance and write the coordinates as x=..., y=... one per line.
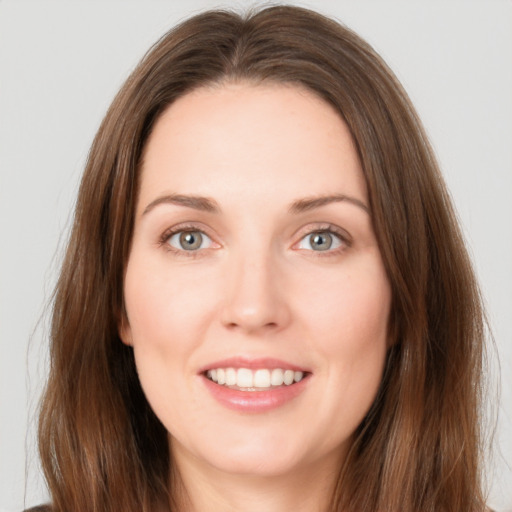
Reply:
x=348, y=327
x=164, y=305
x=165, y=318
x=356, y=344
x=349, y=309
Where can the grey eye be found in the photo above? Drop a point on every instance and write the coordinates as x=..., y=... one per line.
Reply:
x=320, y=241
x=189, y=240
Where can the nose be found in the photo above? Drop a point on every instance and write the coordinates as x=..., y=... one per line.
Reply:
x=255, y=299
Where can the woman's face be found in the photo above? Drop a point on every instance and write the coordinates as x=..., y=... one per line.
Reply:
x=256, y=298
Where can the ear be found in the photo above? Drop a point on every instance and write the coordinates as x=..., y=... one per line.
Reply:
x=124, y=330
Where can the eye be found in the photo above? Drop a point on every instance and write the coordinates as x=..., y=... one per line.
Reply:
x=320, y=241
x=189, y=240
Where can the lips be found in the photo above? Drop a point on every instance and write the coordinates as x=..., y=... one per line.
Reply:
x=256, y=385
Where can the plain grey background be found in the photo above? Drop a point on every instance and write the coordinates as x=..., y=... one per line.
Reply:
x=61, y=64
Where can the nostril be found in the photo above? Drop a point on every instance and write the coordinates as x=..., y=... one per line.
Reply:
x=246, y=326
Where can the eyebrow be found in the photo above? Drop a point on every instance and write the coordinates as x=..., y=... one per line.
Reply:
x=310, y=203
x=204, y=204
x=207, y=204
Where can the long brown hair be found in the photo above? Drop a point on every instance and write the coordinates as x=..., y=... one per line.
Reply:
x=419, y=447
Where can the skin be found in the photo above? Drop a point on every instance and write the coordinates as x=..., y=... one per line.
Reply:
x=256, y=288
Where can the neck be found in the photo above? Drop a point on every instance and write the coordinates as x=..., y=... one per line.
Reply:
x=201, y=488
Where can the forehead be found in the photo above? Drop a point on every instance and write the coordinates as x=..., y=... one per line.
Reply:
x=257, y=139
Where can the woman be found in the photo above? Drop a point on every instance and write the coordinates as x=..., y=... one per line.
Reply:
x=266, y=302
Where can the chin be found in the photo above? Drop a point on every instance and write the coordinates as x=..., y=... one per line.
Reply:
x=259, y=455
x=258, y=465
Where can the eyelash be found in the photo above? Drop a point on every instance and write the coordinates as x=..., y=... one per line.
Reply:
x=182, y=228
x=340, y=234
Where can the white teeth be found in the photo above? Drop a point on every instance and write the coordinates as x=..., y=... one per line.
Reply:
x=277, y=377
x=245, y=378
x=262, y=379
x=288, y=377
x=231, y=377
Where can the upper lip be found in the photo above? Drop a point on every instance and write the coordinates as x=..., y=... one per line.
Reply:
x=253, y=364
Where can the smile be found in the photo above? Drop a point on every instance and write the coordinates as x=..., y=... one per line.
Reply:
x=245, y=379
x=254, y=385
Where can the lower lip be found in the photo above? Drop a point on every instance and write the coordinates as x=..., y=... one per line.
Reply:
x=254, y=401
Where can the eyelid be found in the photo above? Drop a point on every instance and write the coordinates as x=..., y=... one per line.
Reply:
x=303, y=232
x=187, y=227
x=325, y=227
x=203, y=237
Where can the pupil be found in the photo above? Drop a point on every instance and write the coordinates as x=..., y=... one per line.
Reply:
x=321, y=241
x=191, y=240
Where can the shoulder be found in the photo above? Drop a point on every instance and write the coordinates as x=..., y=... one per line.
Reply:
x=39, y=508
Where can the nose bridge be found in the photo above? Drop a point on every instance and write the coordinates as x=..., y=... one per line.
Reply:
x=254, y=299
